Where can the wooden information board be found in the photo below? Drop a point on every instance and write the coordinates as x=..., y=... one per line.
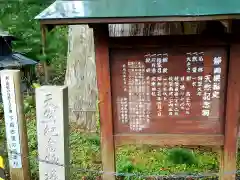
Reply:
x=175, y=90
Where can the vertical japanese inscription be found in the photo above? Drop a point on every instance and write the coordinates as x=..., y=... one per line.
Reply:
x=181, y=86
x=134, y=107
x=50, y=129
x=11, y=121
x=52, y=133
x=138, y=96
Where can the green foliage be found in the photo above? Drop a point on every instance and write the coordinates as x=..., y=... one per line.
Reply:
x=1, y=108
x=182, y=156
x=2, y=132
x=58, y=65
x=36, y=85
x=97, y=116
x=29, y=104
x=149, y=160
x=85, y=154
x=17, y=17
x=32, y=145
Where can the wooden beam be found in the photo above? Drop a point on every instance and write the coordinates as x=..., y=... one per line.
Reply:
x=170, y=41
x=227, y=24
x=101, y=36
x=119, y=20
x=232, y=115
x=169, y=139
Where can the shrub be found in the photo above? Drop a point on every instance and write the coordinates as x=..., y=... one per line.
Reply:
x=182, y=156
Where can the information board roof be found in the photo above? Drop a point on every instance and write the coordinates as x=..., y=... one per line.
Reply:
x=116, y=11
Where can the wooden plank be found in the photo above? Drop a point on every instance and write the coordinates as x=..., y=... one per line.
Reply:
x=52, y=131
x=232, y=115
x=174, y=40
x=221, y=162
x=169, y=139
x=16, y=129
x=72, y=21
x=170, y=41
x=105, y=102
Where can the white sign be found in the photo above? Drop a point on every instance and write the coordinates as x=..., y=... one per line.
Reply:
x=11, y=121
x=52, y=131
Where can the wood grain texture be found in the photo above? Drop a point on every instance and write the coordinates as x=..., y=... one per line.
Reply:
x=170, y=41
x=232, y=115
x=169, y=139
x=105, y=102
x=80, y=77
x=221, y=162
x=23, y=130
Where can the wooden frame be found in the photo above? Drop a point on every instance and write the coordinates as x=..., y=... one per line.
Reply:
x=182, y=124
x=169, y=139
x=72, y=21
x=227, y=141
x=232, y=115
x=174, y=40
x=105, y=103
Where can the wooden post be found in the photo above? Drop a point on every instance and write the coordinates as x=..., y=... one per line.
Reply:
x=15, y=125
x=105, y=103
x=232, y=115
x=221, y=162
x=53, y=132
x=45, y=66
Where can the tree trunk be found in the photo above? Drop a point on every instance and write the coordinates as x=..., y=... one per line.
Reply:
x=81, y=77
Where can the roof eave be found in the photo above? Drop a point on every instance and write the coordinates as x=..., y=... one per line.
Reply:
x=121, y=20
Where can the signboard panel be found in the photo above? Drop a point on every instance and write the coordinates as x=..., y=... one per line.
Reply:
x=175, y=90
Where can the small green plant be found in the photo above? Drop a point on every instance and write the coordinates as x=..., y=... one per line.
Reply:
x=29, y=104
x=1, y=108
x=2, y=131
x=97, y=116
x=125, y=167
x=36, y=85
x=182, y=156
